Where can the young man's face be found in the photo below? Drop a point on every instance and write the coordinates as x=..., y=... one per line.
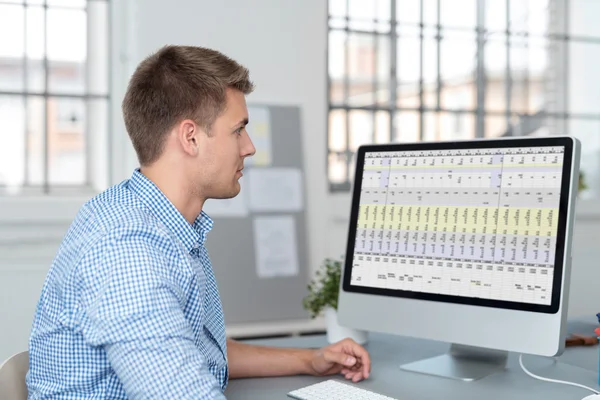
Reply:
x=222, y=153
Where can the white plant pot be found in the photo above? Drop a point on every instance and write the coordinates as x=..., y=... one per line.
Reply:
x=336, y=332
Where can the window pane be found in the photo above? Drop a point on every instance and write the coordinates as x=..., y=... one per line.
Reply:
x=430, y=71
x=530, y=125
x=529, y=16
x=495, y=125
x=383, y=70
x=408, y=68
x=383, y=14
x=457, y=70
x=336, y=62
x=362, y=55
x=588, y=131
x=430, y=11
x=337, y=8
x=337, y=23
x=459, y=96
x=539, y=12
x=338, y=168
x=11, y=74
x=66, y=77
x=495, y=70
x=557, y=125
x=456, y=126
x=361, y=128
x=519, y=73
x=12, y=25
x=66, y=141
x=67, y=63
x=66, y=3
x=406, y=127
x=537, y=65
x=584, y=64
x=382, y=127
x=458, y=13
x=408, y=12
x=12, y=142
x=12, y=21
x=448, y=126
x=35, y=140
x=431, y=127
x=337, y=130
x=459, y=56
x=495, y=15
x=371, y=15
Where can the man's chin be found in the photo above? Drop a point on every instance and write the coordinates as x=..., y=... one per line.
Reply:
x=228, y=195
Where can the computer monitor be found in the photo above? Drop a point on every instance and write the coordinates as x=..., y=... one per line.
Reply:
x=465, y=242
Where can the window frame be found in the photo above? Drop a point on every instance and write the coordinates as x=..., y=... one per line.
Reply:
x=97, y=141
x=557, y=44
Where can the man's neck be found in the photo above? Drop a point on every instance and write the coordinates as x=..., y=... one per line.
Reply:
x=175, y=187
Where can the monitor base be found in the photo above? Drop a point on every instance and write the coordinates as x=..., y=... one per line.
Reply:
x=464, y=363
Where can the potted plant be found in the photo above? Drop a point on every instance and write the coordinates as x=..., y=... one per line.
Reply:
x=582, y=183
x=322, y=298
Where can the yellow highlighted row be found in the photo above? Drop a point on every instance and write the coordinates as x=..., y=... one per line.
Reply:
x=521, y=220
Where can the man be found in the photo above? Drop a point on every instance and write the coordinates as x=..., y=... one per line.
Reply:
x=130, y=307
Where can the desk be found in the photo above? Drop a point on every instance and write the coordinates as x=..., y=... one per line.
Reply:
x=577, y=364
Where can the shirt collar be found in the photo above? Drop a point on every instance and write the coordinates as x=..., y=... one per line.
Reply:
x=162, y=208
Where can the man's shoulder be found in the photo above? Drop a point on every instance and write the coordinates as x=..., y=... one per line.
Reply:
x=110, y=216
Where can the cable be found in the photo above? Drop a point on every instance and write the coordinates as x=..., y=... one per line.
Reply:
x=552, y=380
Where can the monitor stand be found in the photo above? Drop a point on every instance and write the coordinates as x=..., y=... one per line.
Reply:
x=465, y=363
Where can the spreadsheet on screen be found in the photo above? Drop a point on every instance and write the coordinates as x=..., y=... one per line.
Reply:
x=476, y=223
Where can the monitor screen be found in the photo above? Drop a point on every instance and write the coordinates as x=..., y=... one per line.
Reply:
x=476, y=225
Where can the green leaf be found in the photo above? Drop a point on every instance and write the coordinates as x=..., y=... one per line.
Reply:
x=324, y=288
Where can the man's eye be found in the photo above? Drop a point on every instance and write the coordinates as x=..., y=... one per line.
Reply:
x=239, y=130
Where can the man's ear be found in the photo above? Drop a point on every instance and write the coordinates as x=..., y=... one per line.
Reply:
x=187, y=136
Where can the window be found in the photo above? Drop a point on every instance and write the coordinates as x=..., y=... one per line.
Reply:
x=430, y=70
x=54, y=96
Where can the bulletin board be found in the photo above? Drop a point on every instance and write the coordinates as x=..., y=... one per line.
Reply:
x=258, y=244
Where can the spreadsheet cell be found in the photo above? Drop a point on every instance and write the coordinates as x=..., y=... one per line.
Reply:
x=477, y=223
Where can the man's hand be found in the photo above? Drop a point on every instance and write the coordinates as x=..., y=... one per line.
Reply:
x=346, y=357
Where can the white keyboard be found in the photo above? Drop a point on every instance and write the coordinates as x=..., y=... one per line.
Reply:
x=334, y=390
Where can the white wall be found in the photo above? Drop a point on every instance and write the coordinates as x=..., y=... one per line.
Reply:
x=584, y=81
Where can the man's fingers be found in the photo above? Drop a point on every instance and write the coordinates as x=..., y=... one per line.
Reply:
x=361, y=353
x=339, y=358
x=354, y=376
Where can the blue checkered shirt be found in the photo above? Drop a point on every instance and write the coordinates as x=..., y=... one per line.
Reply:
x=130, y=307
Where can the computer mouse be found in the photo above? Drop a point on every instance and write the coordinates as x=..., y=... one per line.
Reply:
x=592, y=397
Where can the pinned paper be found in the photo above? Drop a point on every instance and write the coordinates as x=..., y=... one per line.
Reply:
x=275, y=189
x=275, y=246
x=259, y=129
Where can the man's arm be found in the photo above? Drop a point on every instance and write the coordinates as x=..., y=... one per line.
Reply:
x=345, y=357
x=131, y=308
x=246, y=360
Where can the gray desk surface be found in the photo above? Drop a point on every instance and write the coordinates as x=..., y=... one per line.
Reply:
x=577, y=364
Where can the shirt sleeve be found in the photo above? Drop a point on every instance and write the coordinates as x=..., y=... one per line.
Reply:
x=133, y=308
